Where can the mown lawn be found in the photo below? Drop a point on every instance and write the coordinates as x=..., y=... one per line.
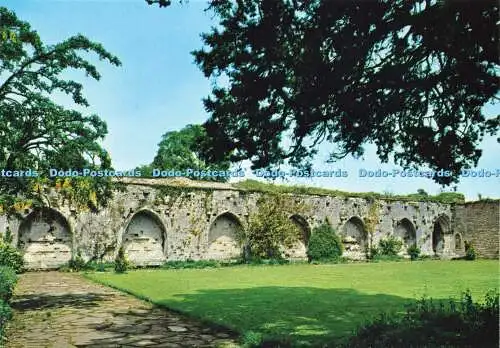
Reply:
x=309, y=304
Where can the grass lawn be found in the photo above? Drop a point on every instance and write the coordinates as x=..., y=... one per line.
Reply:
x=309, y=304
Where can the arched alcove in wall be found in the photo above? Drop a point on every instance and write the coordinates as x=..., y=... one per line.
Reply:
x=223, y=237
x=405, y=230
x=45, y=239
x=354, y=230
x=458, y=242
x=299, y=249
x=441, y=227
x=144, y=239
x=303, y=226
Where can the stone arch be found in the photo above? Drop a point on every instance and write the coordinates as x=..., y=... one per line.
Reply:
x=459, y=246
x=45, y=238
x=441, y=227
x=405, y=230
x=299, y=249
x=355, y=238
x=304, y=227
x=144, y=239
x=223, y=237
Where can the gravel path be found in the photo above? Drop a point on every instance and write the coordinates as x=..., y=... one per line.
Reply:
x=53, y=309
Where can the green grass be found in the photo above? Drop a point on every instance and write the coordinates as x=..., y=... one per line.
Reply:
x=311, y=304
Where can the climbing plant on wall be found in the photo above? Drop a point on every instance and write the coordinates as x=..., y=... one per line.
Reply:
x=270, y=227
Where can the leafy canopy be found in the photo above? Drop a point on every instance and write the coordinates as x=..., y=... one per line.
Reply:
x=180, y=150
x=35, y=132
x=409, y=76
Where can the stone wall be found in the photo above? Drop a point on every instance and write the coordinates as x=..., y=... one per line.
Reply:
x=159, y=219
x=479, y=223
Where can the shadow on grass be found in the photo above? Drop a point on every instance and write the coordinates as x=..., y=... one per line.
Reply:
x=301, y=316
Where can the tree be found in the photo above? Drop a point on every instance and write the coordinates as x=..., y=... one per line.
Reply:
x=409, y=76
x=179, y=150
x=35, y=132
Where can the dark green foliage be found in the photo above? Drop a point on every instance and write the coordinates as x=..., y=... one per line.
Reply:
x=121, y=263
x=409, y=76
x=5, y=315
x=470, y=252
x=37, y=132
x=11, y=257
x=8, y=237
x=373, y=253
x=192, y=264
x=8, y=279
x=432, y=324
x=324, y=244
x=414, y=252
x=390, y=246
x=99, y=266
x=180, y=150
x=77, y=263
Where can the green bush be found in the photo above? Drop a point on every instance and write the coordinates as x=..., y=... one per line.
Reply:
x=390, y=246
x=433, y=324
x=77, y=263
x=121, y=263
x=373, y=252
x=11, y=257
x=470, y=252
x=413, y=251
x=8, y=279
x=5, y=315
x=324, y=244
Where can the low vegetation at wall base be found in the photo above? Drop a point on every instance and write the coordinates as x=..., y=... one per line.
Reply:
x=432, y=324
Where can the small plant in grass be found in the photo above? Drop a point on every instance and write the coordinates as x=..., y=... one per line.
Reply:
x=121, y=263
x=252, y=339
x=470, y=252
x=324, y=244
x=413, y=251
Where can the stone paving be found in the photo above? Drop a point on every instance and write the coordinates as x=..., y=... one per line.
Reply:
x=53, y=309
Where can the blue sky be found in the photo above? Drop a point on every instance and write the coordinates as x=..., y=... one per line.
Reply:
x=159, y=88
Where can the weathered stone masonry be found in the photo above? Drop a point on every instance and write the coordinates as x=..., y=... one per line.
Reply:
x=159, y=220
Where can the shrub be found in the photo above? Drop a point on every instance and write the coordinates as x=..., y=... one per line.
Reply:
x=324, y=244
x=11, y=257
x=413, y=251
x=8, y=279
x=390, y=246
x=5, y=315
x=433, y=324
x=470, y=252
x=77, y=263
x=373, y=252
x=121, y=263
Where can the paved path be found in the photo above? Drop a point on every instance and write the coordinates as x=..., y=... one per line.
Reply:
x=53, y=309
